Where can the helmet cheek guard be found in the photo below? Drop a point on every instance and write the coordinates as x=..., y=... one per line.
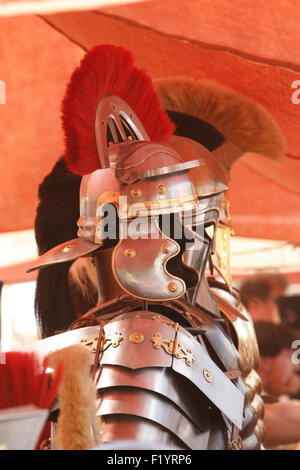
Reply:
x=139, y=265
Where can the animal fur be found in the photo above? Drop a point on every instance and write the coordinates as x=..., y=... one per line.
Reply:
x=57, y=304
x=246, y=125
x=77, y=395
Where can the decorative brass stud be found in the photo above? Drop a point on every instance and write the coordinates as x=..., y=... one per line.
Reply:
x=130, y=253
x=68, y=248
x=207, y=375
x=136, y=337
x=114, y=340
x=162, y=189
x=136, y=193
x=172, y=286
x=166, y=248
x=91, y=344
x=172, y=347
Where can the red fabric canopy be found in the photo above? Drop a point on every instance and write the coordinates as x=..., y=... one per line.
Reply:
x=249, y=46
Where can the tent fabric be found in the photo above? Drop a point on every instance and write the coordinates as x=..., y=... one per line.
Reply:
x=23, y=7
x=261, y=208
x=248, y=46
x=35, y=64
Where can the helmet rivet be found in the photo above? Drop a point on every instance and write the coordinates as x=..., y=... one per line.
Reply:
x=161, y=189
x=130, y=253
x=166, y=248
x=207, y=375
x=172, y=286
x=136, y=193
x=68, y=248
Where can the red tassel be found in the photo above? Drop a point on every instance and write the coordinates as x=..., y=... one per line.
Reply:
x=23, y=381
x=107, y=69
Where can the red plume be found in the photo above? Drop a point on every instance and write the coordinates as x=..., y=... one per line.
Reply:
x=107, y=69
x=24, y=381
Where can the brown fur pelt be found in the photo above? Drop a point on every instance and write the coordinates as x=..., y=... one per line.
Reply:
x=245, y=124
x=77, y=398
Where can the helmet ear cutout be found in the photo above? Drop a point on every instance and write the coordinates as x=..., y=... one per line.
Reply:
x=172, y=227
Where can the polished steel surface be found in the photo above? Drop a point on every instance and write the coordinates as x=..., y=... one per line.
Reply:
x=248, y=363
x=159, y=380
x=208, y=179
x=67, y=251
x=154, y=408
x=136, y=356
x=118, y=428
x=144, y=274
x=221, y=391
x=93, y=186
x=165, y=170
x=114, y=113
x=44, y=346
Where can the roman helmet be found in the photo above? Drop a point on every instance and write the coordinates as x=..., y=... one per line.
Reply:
x=151, y=181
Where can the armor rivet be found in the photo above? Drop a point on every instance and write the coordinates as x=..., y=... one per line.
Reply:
x=166, y=248
x=130, y=253
x=68, y=248
x=172, y=286
x=136, y=337
x=207, y=375
x=136, y=193
x=161, y=189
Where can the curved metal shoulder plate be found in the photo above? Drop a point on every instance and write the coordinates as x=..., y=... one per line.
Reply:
x=86, y=336
x=147, y=343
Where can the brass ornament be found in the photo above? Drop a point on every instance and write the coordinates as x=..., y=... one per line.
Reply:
x=182, y=353
x=207, y=375
x=91, y=344
x=170, y=323
x=159, y=342
x=173, y=348
x=162, y=189
x=136, y=193
x=136, y=337
x=68, y=248
x=130, y=253
x=114, y=340
x=172, y=287
x=166, y=248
